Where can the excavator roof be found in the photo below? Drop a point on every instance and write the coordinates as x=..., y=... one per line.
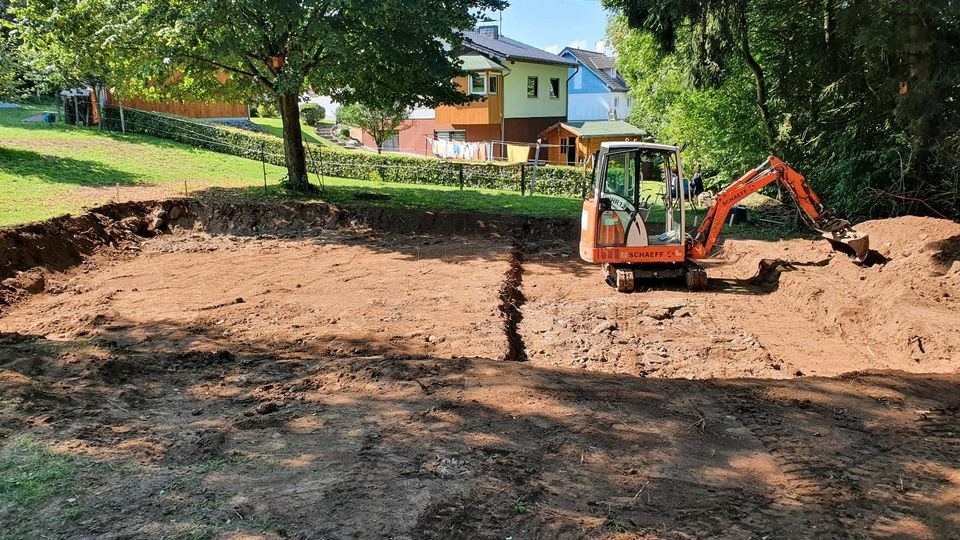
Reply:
x=630, y=145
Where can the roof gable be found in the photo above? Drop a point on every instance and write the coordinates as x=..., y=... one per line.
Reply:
x=503, y=48
x=598, y=64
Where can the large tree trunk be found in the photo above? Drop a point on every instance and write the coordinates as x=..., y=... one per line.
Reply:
x=831, y=59
x=758, y=75
x=293, y=152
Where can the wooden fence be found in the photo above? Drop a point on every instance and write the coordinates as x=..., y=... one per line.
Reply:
x=188, y=109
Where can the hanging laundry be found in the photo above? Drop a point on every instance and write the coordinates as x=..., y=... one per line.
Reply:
x=459, y=150
x=517, y=153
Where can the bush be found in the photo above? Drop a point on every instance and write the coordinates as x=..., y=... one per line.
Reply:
x=344, y=133
x=312, y=114
x=551, y=180
x=268, y=109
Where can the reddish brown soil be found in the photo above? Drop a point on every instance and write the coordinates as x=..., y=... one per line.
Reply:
x=349, y=384
x=817, y=314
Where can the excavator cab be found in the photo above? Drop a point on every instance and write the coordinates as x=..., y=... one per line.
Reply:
x=619, y=227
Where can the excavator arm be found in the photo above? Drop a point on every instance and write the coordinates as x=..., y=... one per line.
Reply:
x=838, y=231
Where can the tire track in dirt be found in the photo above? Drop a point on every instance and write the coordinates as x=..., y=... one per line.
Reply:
x=865, y=480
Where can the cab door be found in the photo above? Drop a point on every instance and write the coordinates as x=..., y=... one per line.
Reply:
x=618, y=220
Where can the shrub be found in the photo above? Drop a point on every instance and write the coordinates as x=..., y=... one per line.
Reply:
x=312, y=114
x=268, y=110
x=344, y=133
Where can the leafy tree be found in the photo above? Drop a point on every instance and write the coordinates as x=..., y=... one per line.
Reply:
x=381, y=123
x=376, y=53
x=859, y=95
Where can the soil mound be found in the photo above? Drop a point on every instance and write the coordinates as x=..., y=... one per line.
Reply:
x=905, y=307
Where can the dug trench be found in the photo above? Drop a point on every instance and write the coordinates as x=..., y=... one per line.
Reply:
x=306, y=371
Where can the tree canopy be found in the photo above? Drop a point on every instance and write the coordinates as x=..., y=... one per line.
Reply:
x=861, y=95
x=380, y=122
x=378, y=53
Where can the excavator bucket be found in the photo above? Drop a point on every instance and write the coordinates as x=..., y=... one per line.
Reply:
x=849, y=241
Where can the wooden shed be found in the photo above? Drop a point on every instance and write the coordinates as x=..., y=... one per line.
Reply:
x=573, y=142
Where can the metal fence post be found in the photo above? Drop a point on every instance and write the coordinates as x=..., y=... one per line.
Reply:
x=583, y=183
x=536, y=165
x=263, y=161
x=523, y=179
x=461, y=177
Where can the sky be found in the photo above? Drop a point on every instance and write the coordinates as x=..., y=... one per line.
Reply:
x=552, y=25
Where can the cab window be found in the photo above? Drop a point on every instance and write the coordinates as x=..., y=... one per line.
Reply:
x=620, y=177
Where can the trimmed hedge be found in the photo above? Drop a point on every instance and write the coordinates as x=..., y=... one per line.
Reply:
x=551, y=180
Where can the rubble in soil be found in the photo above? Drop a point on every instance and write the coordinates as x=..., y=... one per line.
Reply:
x=300, y=371
x=806, y=311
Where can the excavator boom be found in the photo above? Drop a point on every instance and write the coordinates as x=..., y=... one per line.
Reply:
x=838, y=231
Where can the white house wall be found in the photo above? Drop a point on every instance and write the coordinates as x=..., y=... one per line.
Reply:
x=597, y=106
x=423, y=113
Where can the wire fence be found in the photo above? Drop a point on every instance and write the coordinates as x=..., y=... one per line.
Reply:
x=525, y=179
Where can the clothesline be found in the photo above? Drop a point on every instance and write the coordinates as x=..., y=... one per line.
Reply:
x=483, y=151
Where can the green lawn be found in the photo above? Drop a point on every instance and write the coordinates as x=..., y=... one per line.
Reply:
x=274, y=127
x=51, y=170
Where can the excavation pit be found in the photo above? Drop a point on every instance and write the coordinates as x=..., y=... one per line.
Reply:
x=334, y=373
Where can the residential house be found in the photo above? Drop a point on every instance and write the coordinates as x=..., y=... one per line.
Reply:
x=522, y=91
x=597, y=91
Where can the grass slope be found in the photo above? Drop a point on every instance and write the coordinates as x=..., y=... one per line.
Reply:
x=51, y=170
x=274, y=126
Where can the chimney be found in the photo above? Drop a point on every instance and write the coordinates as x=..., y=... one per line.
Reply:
x=491, y=31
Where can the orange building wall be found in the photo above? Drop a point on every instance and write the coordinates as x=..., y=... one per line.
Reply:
x=488, y=110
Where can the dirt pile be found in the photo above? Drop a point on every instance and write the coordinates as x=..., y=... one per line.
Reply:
x=907, y=309
x=812, y=311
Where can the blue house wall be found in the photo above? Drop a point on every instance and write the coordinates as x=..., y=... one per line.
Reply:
x=584, y=81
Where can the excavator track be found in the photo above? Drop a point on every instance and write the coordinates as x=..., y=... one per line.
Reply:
x=624, y=277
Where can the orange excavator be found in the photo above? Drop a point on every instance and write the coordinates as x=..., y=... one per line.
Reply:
x=623, y=231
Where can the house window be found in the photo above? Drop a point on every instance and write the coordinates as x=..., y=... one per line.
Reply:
x=533, y=87
x=554, y=88
x=616, y=103
x=494, y=85
x=478, y=84
x=393, y=143
x=456, y=135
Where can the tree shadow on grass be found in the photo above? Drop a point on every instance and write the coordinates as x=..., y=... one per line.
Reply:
x=62, y=170
x=392, y=195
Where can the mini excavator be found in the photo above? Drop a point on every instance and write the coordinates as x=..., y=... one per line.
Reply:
x=620, y=229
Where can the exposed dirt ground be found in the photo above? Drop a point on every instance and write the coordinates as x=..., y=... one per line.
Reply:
x=354, y=382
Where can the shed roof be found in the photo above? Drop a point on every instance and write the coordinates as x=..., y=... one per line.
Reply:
x=601, y=128
x=478, y=62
